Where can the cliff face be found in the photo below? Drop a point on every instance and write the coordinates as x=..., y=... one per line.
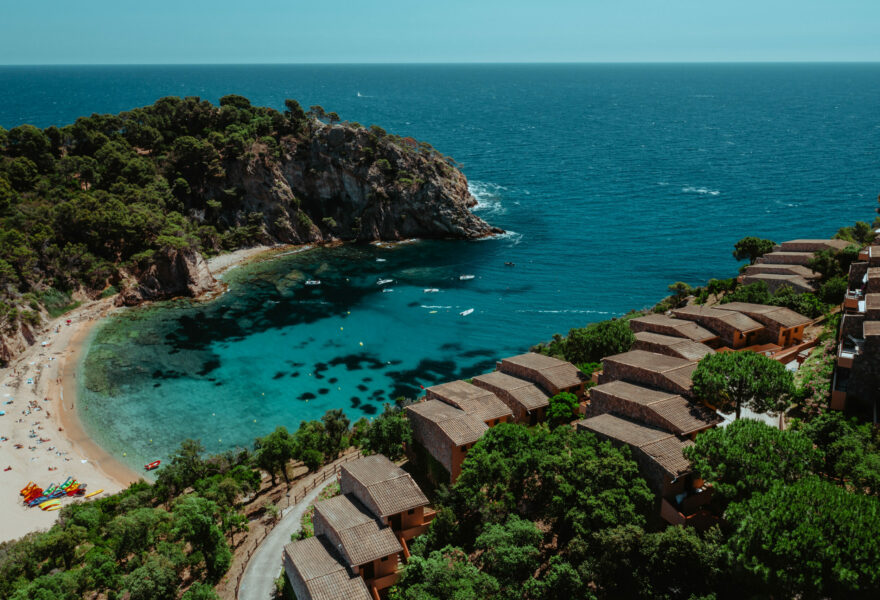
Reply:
x=170, y=273
x=344, y=182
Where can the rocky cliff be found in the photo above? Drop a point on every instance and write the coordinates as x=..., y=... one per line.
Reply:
x=345, y=182
x=168, y=274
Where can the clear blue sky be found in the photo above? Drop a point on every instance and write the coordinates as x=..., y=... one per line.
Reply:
x=291, y=31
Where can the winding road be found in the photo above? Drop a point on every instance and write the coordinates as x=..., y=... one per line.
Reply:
x=258, y=582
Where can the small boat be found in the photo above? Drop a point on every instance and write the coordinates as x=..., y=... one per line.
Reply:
x=313, y=282
x=465, y=277
x=509, y=264
x=380, y=260
x=465, y=313
x=95, y=493
x=384, y=281
x=51, y=508
x=387, y=290
x=431, y=290
x=152, y=465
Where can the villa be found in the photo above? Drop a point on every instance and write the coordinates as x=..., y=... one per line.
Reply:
x=656, y=408
x=735, y=329
x=662, y=463
x=784, y=326
x=550, y=374
x=787, y=265
x=526, y=400
x=659, y=371
x=390, y=493
x=666, y=325
x=446, y=433
x=473, y=400
x=360, y=535
x=671, y=346
x=857, y=370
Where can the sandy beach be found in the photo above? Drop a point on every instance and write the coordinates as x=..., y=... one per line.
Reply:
x=41, y=437
x=42, y=440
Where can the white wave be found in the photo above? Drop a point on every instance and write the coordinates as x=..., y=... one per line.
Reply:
x=432, y=306
x=699, y=190
x=488, y=197
x=510, y=236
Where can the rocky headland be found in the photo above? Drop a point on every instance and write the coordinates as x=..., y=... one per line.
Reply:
x=140, y=198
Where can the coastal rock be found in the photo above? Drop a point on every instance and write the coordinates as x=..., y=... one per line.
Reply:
x=170, y=273
x=16, y=341
x=344, y=182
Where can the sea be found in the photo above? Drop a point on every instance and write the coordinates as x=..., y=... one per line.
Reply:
x=612, y=181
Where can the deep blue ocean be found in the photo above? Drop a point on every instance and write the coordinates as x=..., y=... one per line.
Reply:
x=613, y=181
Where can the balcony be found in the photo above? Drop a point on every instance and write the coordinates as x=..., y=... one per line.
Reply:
x=854, y=300
x=848, y=350
x=384, y=582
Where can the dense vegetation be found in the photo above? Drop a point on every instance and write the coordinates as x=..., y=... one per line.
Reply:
x=546, y=514
x=83, y=202
x=173, y=539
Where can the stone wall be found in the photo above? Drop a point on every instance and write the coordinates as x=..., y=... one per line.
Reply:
x=432, y=439
x=613, y=371
x=602, y=402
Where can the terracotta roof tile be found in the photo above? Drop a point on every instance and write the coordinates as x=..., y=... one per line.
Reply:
x=391, y=488
x=470, y=398
x=458, y=426
x=525, y=392
x=321, y=573
x=362, y=538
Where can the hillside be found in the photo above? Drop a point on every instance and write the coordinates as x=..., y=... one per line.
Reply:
x=129, y=203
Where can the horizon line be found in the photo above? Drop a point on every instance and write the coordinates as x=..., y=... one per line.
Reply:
x=449, y=63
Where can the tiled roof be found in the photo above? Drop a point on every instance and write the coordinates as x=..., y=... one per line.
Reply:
x=814, y=245
x=682, y=375
x=361, y=537
x=738, y=321
x=525, y=392
x=871, y=328
x=660, y=446
x=624, y=430
x=682, y=414
x=796, y=280
x=872, y=301
x=678, y=346
x=668, y=454
x=681, y=327
x=323, y=575
x=457, y=425
x=781, y=269
x=473, y=400
x=650, y=361
x=391, y=488
x=686, y=416
x=785, y=317
x=560, y=373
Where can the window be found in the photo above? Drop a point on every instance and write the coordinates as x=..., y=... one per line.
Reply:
x=410, y=511
x=384, y=558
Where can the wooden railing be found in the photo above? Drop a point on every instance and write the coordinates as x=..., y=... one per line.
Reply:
x=294, y=495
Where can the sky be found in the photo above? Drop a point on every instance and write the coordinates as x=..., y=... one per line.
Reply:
x=415, y=31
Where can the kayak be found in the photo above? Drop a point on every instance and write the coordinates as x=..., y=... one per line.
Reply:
x=56, y=507
x=152, y=465
x=465, y=313
x=49, y=503
x=94, y=493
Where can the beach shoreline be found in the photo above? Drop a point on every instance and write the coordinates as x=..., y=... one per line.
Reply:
x=38, y=392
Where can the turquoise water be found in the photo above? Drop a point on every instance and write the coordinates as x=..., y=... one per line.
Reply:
x=614, y=181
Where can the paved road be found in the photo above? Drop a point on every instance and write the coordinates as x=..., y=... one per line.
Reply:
x=258, y=582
